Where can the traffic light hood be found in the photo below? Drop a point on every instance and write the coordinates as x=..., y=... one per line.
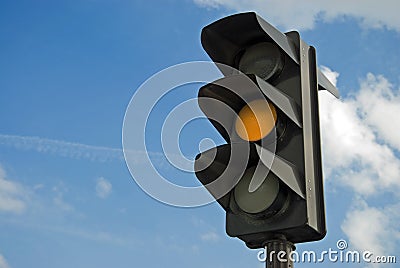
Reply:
x=226, y=40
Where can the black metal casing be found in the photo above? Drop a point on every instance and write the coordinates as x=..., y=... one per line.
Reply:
x=297, y=154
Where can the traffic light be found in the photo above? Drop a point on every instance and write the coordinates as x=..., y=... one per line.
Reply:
x=268, y=175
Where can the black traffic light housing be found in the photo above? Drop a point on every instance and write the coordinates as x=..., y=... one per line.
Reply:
x=282, y=171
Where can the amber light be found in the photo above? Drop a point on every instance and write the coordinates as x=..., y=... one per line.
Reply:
x=256, y=120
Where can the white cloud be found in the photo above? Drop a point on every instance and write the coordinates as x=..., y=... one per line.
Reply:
x=361, y=153
x=11, y=195
x=373, y=229
x=103, y=188
x=353, y=153
x=331, y=75
x=210, y=236
x=3, y=262
x=302, y=15
x=379, y=104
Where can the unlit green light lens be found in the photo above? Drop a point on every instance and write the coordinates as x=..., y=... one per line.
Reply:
x=259, y=200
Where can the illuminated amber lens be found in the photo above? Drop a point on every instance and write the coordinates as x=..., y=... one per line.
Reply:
x=256, y=120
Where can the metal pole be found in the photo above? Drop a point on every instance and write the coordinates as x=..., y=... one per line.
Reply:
x=278, y=253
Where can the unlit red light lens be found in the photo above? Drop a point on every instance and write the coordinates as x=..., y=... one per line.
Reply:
x=263, y=59
x=256, y=120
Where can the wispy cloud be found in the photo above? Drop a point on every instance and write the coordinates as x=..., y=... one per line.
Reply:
x=175, y=244
x=62, y=148
x=305, y=14
x=82, y=151
x=210, y=237
x=103, y=236
x=103, y=187
x=12, y=195
x=3, y=262
x=208, y=233
x=58, y=199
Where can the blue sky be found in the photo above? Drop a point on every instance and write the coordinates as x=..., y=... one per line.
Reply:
x=68, y=70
